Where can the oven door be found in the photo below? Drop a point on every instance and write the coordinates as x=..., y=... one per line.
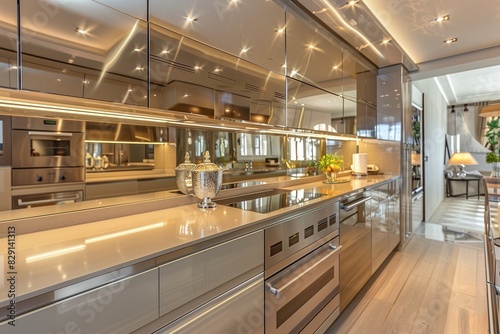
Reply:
x=35, y=149
x=295, y=295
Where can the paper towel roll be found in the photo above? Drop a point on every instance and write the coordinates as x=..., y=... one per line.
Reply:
x=359, y=162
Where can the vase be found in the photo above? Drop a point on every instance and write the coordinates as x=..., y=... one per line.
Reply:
x=496, y=169
x=331, y=177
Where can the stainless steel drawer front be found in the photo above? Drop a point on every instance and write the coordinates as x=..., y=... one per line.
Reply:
x=296, y=294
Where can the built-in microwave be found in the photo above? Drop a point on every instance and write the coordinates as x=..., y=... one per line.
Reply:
x=5, y=141
x=47, y=143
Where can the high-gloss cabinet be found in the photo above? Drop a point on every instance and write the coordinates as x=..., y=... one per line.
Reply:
x=385, y=218
x=192, y=280
x=119, y=307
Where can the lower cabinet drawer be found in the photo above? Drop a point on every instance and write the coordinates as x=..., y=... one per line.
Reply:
x=239, y=310
x=190, y=281
x=119, y=307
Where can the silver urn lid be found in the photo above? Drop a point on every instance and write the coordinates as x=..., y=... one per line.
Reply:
x=183, y=175
x=207, y=181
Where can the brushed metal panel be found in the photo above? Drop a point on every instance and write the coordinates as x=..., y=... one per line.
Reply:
x=239, y=310
x=120, y=307
x=190, y=277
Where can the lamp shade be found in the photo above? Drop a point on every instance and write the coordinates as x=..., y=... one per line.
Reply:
x=462, y=158
x=415, y=159
x=491, y=110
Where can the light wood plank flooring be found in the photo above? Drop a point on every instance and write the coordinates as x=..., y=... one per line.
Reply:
x=432, y=286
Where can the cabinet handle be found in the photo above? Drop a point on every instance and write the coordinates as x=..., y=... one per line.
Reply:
x=278, y=291
x=351, y=205
x=20, y=202
x=50, y=134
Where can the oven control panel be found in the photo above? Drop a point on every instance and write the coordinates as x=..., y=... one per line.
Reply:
x=28, y=177
x=298, y=234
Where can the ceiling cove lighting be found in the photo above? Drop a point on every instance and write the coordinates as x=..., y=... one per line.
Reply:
x=350, y=27
x=451, y=40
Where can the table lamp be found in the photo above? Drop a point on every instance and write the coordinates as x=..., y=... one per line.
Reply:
x=461, y=159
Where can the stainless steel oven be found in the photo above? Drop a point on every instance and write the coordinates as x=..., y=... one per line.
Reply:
x=30, y=197
x=302, y=272
x=48, y=163
x=47, y=143
x=5, y=138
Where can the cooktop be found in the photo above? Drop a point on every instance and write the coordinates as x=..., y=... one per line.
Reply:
x=269, y=201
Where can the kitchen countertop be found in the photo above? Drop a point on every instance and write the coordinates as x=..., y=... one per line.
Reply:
x=56, y=258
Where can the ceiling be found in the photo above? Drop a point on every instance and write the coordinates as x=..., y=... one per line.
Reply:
x=467, y=70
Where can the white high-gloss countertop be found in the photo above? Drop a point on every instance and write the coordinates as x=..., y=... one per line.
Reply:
x=51, y=259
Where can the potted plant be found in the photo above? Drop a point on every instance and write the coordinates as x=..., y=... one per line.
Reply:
x=493, y=134
x=330, y=165
x=311, y=168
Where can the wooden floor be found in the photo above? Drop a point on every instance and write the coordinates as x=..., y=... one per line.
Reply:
x=430, y=287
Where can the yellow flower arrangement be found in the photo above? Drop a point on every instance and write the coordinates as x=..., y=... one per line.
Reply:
x=330, y=163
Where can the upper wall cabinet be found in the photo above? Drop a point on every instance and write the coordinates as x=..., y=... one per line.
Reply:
x=313, y=57
x=250, y=30
x=85, y=49
x=189, y=76
x=390, y=102
x=8, y=44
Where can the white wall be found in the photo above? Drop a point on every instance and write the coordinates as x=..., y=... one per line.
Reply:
x=435, y=123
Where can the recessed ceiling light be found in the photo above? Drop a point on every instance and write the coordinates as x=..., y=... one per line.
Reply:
x=244, y=50
x=70, y=61
x=138, y=68
x=280, y=30
x=451, y=40
x=335, y=67
x=386, y=41
x=294, y=72
x=137, y=50
x=165, y=51
x=197, y=68
x=81, y=31
x=352, y=2
x=191, y=19
x=443, y=18
x=311, y=46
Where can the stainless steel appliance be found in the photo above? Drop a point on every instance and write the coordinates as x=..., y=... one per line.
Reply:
x=48, y=164
x=271, y=200
x=5, y=138
x=356, y=255
x=302, y=272
x=47, y=143
x=29, y=197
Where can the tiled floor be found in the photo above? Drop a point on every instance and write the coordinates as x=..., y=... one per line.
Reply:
x=456, y=220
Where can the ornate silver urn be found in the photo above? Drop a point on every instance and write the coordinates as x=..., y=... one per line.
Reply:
x=183, y=175
x=207, y=181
